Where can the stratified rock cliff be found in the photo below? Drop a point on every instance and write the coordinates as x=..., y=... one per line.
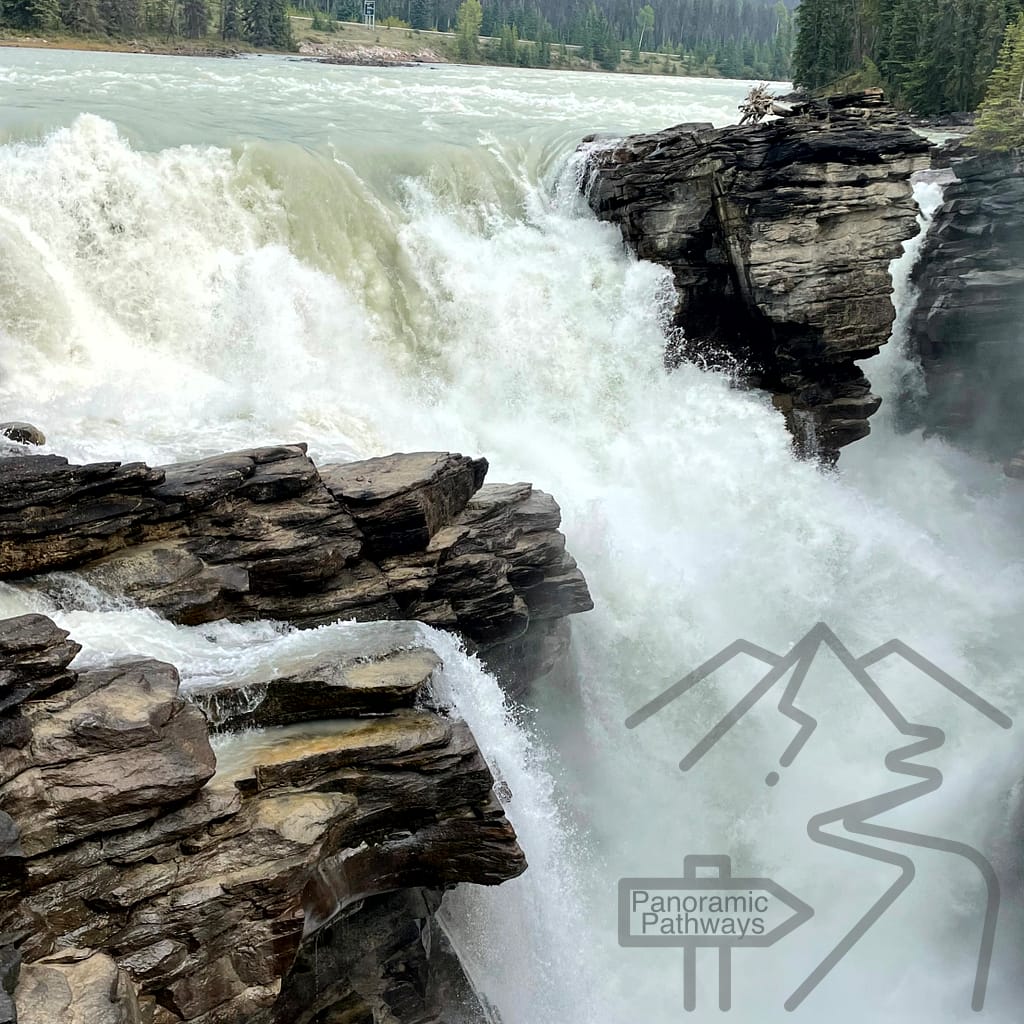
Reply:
x=293, y=877
x=296, y=881
x=265, y=534
x=967, y=322
x=779, y=238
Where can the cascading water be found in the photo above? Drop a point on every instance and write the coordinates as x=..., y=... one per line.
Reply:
x=222, y=254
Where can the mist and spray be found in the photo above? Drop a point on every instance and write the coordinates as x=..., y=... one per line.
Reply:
x=404, y=263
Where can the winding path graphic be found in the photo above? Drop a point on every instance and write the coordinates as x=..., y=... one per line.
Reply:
x=855, y=818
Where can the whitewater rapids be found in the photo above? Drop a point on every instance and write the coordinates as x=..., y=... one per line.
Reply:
x=198, y=255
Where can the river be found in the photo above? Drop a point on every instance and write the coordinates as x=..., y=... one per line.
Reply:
x=201, y=255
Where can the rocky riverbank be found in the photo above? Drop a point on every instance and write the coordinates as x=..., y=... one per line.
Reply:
x=153, y=872
x=142, y=882
x=370, y=56
x=779, y=237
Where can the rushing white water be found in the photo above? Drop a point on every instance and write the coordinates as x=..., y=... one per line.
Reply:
x=203, y=255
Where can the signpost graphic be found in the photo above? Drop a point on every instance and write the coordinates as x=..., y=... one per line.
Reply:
x=712, y=910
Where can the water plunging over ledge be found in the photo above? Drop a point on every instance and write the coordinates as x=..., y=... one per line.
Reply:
x=397, y=260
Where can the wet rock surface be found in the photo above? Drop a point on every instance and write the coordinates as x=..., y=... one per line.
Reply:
x=266, y=534
x=296, y=884
x=22, y=433
x=779, y=237
x=293, y=875
x=966, y=323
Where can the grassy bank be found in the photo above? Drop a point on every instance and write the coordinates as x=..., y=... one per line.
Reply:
x=356, y=43
x=174, y=46
x=413, y=42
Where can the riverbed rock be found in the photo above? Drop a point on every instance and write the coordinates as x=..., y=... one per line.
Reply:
x=401, y=501
x=966, y=323
x=297, y=884
x=779, y=238
x=364, y=675
x=266, y=534
x=22, y=433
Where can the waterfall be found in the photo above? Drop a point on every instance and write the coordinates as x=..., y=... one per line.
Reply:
x=403, y=264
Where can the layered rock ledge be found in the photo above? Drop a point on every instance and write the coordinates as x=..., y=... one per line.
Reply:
x=779, y=238
x=266, y=534
x=966, y=323
x=293, y=882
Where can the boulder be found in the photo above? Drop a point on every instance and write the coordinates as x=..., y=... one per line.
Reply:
x=355, y=681
x=22, y=433
x=76, y=987
x=779, y=238
x=105, y=754
x=401, y=501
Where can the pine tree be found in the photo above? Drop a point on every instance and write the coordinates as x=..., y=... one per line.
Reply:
x=258, y=22
x=40, y=15
x=120, y=17
x=904, y=45
x=926, y=84
x=1000, y=124
x=194, y=18
x=468, y=20
x=231, y=23
x=810, y=42
x=267, y=24
x=421, y=14
x=509, y=45
x=80, y=16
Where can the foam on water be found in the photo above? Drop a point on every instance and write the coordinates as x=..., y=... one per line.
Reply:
x=372, y=290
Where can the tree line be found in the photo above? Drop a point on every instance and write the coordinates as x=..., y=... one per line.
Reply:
x=738, y=38
x=264, y=23
x=1000, y=125
x=932, y=56
x=735, y=38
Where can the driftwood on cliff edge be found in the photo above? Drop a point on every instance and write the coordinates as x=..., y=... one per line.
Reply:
x=758, y=105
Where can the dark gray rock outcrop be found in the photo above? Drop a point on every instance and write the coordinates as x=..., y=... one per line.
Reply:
x=22, y=433
x=966, y=323
x=265, y=534
x=296, y=884
x=779, y=238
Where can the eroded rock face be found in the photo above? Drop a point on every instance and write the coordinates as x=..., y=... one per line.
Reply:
x=779, y=238
x=967, y=323
x=265, y=534
x=296, y=884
